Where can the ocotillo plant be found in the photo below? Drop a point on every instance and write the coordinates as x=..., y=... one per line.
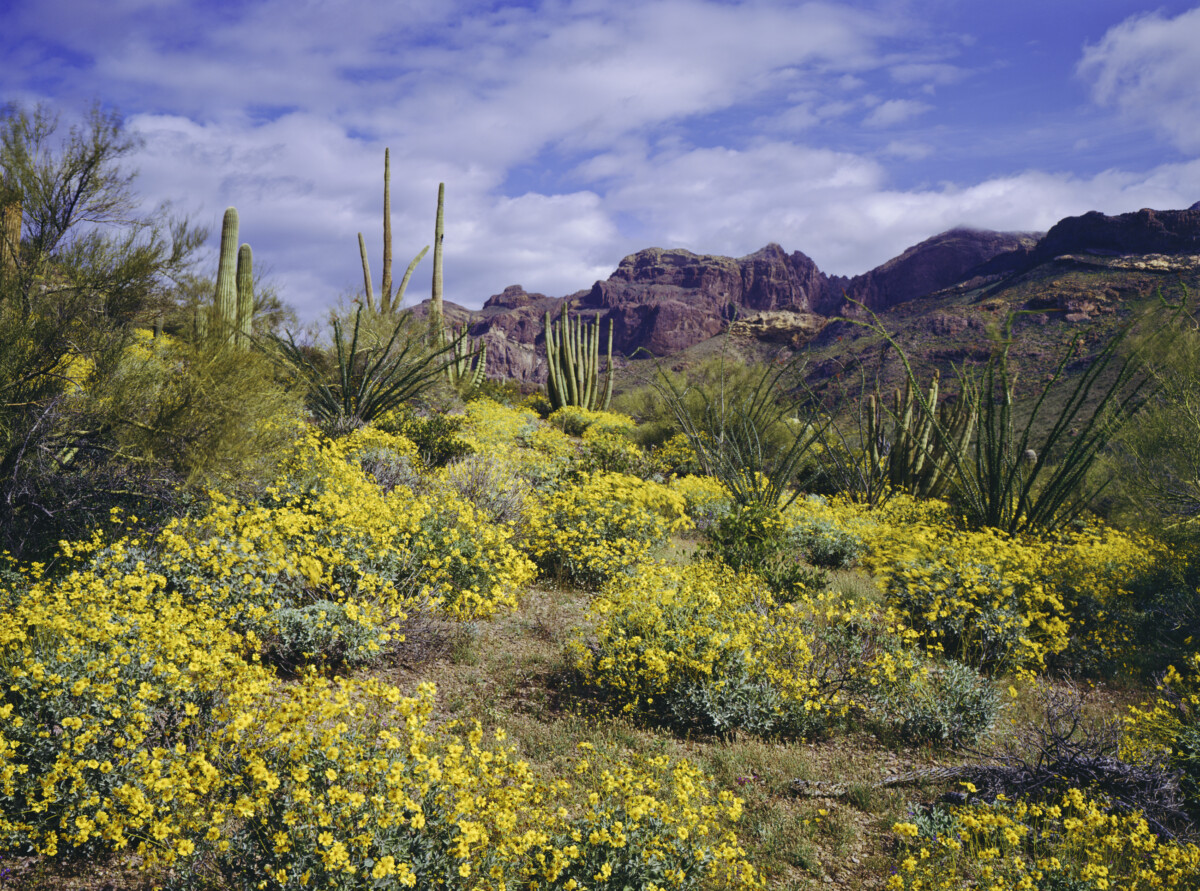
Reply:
x=573, y=359
x=388, y=302
x=919, y=461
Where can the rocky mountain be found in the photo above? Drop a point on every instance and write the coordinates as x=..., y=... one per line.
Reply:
x=668, y=300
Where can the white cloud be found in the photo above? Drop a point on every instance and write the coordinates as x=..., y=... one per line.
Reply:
x=895, y=111
x=1148, y=66
x=839, y=208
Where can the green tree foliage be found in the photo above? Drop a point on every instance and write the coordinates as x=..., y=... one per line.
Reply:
x=91, y=417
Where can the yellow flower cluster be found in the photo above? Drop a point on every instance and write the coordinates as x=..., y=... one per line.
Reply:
x=576, y=421
x=604, y=525
x=1169, y=726
x=1023, y=846
x=647, y=823
x=665, y=629
x=994, y=600
x=706, y=498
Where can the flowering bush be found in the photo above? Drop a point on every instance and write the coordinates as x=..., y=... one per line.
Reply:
x=706, y=499
x=1169, y=728
x=1074, y=842
x=576, y=421
x=709, y=647
x=1006, y=602
x=602, y=526
x=646, y=824
x=110, y=686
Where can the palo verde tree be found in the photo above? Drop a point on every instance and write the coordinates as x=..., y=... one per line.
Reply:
x=90, y=269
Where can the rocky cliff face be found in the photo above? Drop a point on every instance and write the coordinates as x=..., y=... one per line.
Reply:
x=1144, y=232
x=666, y=300
x=935, y=263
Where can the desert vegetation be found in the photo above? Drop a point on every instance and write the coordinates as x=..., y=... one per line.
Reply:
x=284, y=613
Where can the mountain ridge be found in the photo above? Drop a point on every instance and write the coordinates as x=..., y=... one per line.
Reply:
x=667, y=300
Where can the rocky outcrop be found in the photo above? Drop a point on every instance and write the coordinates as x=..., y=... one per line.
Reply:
x=934, y=264
x=667, y=300
x=779, y=326
x=1144, y=232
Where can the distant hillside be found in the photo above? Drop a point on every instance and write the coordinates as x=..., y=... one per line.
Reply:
x=944, y=292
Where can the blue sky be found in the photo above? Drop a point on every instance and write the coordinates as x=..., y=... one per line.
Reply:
x=570, y=133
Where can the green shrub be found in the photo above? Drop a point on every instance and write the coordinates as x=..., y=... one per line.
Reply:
x=949, y=704
x=756, y=538
x=824, y=544
x=436, y=436
x=322, y=632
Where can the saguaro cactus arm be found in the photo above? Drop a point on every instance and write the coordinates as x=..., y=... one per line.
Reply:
x=362, y=250
x=245, y=296
x=225, y=299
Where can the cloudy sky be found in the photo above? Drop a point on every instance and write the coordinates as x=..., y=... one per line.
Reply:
x=570, y=133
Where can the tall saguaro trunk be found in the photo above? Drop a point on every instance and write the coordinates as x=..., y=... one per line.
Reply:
x=385, y=291
x=435, y=302
x=225, y=300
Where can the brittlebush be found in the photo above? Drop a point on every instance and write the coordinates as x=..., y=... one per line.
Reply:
x=1074, y=842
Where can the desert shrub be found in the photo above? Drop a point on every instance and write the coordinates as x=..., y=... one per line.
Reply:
x=575, y=421
x=490, y=485
x=822, y=541
x=675, y=456
x=435, y=436
x=647, y=823
x=325, y=632
x=110, y=686
x=711, y=649
x=757, y=538
x=1073, y=841
x=492, y=428
x=998, y=601
x=607, y=450
x=591, y=531
x=947, y=704
x=706, y=499
x=1169, y=728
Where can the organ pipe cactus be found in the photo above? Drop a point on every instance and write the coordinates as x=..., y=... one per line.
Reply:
x=467, y=359
x=573, y=360
x=913, y=458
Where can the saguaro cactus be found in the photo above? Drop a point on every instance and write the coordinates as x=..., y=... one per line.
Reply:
x=573, y=359
x=225, y=299
x=233, y=303
x=388, y=302
x=435, y=300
